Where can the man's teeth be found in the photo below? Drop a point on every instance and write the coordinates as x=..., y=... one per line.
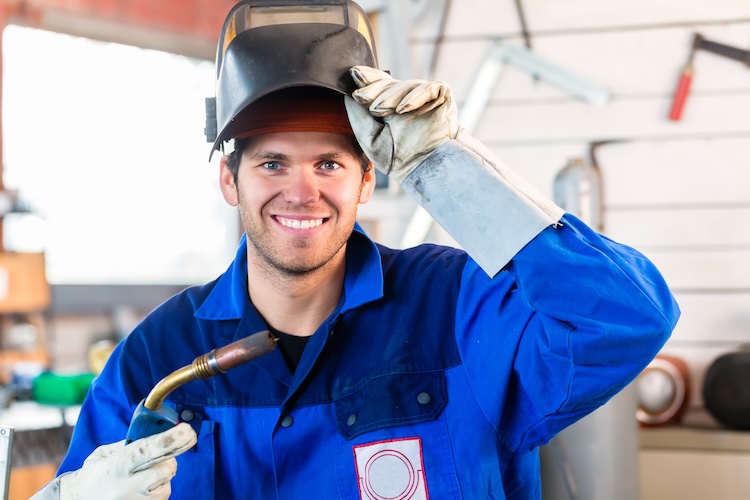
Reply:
x=300, y=224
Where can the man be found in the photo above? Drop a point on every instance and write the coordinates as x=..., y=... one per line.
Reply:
x=424, y=373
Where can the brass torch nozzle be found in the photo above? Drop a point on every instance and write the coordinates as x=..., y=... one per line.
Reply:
x=212, y=363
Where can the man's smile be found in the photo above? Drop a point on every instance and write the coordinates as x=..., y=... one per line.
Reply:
x=299, y=223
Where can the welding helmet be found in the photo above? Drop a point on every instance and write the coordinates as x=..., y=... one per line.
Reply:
x=269, y=45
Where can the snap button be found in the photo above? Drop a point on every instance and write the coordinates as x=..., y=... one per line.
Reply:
x=187, y=416
x=287, y=421
x=424, y=398
x=352, y=418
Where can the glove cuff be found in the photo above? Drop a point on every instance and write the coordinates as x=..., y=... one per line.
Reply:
x=51, y=491
x=485, y=206
x=68, y=486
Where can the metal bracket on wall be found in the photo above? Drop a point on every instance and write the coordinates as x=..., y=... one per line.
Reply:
x=500, y=54
x=395, y=27
x=6, y=446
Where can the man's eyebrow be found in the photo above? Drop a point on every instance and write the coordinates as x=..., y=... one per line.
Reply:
x=334, y=155
x=267, y=155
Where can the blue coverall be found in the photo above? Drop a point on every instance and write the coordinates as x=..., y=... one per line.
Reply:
x=429, y=380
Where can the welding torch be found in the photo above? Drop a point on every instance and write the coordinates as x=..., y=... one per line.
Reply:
x=152, y=417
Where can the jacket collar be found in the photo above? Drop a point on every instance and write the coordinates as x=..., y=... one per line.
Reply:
x=363, y=281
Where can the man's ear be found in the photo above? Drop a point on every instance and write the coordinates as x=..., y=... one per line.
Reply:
x=227, y=184
x=368, y=185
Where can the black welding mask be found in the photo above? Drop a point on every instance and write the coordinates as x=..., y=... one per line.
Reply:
x=270, y=45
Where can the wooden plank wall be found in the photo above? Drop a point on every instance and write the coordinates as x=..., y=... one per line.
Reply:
x=678, y=191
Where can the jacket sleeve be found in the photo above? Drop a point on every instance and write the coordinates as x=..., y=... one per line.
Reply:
x=576, y=317
x=553, y=319
x=104, y=417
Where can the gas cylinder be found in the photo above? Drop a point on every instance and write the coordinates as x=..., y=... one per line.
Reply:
x=578, y=191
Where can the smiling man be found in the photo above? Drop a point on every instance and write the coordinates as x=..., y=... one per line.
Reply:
x=297, y=175
x=428, y=372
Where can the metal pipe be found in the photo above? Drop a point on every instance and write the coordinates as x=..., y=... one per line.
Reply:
x=6, y=446
x=212, y=363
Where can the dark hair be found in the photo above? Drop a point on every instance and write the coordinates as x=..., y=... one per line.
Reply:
x=233, y=162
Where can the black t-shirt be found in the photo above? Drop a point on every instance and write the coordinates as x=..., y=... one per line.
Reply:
x=291, y=347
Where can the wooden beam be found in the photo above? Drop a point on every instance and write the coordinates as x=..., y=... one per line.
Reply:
x=107, y=30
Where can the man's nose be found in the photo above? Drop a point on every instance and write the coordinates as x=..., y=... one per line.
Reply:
x=302, y=187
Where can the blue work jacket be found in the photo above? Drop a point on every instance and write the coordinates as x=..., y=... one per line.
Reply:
x=429, y=380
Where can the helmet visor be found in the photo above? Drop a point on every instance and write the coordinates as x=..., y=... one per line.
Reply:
x=252, y=14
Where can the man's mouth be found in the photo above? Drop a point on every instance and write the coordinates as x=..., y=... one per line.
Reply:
x=299, y=224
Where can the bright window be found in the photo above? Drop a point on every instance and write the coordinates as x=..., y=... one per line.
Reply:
x=105, y=143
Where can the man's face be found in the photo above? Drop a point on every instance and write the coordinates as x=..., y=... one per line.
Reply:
x=297, y=194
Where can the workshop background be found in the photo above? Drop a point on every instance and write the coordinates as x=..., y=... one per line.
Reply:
x=640, y=107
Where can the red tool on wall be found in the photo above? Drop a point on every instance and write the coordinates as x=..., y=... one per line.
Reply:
x=686, y=77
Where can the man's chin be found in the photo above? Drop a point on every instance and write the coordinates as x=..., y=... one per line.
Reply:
x=299, y=268
x=300, y=264
x=297, y=256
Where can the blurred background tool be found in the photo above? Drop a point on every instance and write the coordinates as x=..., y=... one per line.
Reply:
x=663, y=391
x=684, y=82
x=686, y=77
x=725, y=389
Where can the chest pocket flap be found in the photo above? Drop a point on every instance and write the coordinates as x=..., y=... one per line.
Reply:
x=390, y=401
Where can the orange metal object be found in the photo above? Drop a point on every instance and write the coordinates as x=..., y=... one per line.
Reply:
x=684, y=82
x=681, y=93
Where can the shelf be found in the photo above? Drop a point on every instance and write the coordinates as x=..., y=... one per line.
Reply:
x=681, y=438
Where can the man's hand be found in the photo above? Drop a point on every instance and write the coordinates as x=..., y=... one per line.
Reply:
x=142, y=469
x=399, y=123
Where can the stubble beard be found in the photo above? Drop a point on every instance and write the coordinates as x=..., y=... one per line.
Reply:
x=270, y=253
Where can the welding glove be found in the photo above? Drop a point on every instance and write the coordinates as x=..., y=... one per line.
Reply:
x=417, y=117
x=410, y=131
x=142, y=469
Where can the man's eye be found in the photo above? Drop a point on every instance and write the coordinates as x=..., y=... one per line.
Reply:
x=271, y=165
x=329, y=165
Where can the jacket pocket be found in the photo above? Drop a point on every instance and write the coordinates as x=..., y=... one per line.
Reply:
x=396, y=443
x=390, y=401
x=196, y=467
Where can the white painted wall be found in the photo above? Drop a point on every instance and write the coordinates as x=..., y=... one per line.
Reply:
x=678, y=191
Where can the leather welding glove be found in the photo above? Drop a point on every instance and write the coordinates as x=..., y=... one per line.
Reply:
x=410, y=131
x=142, y=469
x=417, y=117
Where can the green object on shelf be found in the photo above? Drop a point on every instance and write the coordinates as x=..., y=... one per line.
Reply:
x=58, y=389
